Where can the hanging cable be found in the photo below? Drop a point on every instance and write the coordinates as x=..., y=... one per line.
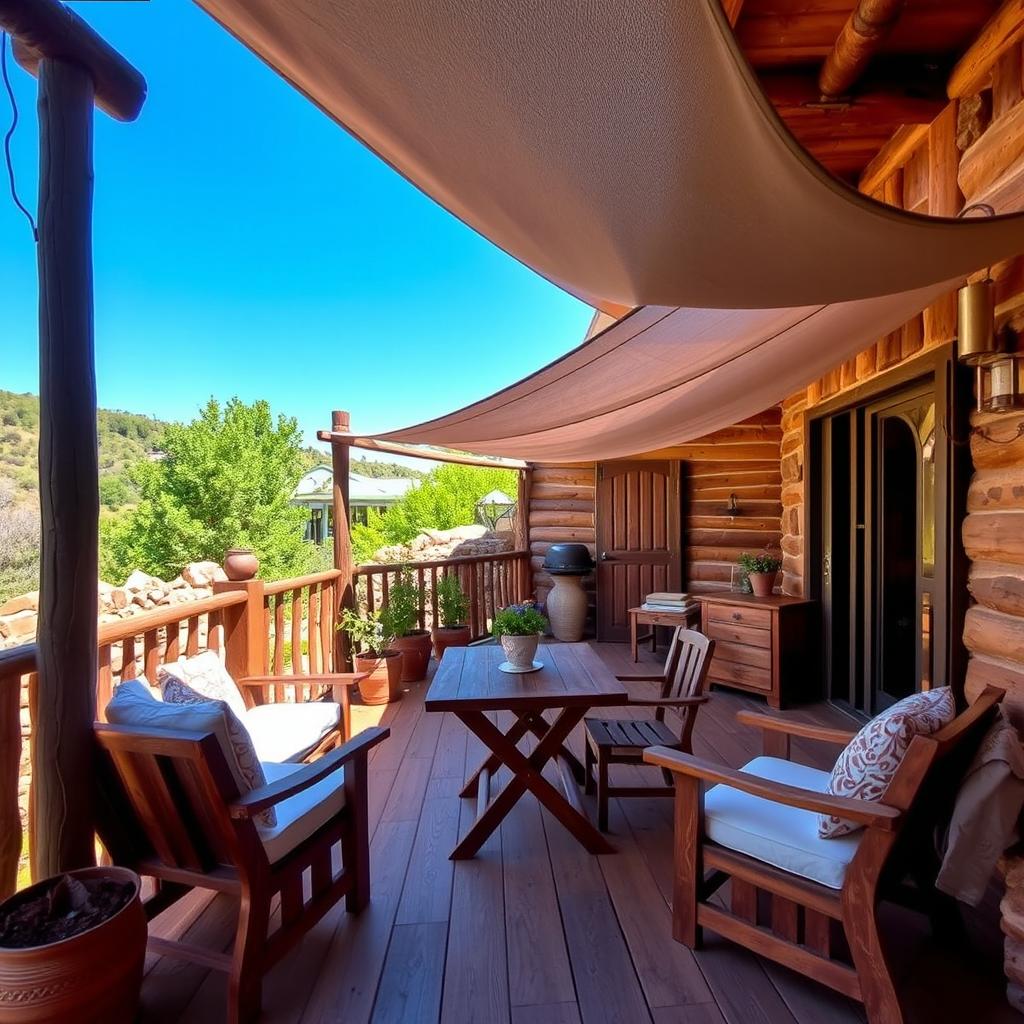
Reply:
x=10, y=134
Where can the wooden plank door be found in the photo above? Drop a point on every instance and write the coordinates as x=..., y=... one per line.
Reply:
x=639, y=538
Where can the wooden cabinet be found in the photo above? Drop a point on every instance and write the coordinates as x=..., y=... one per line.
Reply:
x=764, y=645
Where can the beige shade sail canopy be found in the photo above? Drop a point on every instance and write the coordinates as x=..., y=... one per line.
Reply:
x=621, y=148
x=663, y=376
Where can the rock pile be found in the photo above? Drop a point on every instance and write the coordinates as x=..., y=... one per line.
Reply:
x=139, y=593
x=436, y=545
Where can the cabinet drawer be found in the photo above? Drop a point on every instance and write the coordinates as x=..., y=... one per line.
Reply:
x=744, y=675
x=761, y=617
x=743, y=654
x=734, y=633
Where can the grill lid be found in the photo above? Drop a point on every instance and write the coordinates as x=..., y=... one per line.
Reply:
x=568, y=560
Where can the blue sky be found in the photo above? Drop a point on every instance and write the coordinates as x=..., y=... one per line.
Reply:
x=245, y=244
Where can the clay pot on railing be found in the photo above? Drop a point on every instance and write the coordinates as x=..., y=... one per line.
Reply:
x=444, y=637
x=385, y=676
x=415, y=648
x=93, y=977
x=241, y=564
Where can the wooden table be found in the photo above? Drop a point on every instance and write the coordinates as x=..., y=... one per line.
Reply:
x=573, y=680
x=688, y=617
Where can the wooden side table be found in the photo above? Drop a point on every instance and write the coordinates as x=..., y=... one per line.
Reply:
x=689, y=617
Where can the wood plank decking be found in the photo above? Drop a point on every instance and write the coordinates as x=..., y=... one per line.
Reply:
x=536, y=931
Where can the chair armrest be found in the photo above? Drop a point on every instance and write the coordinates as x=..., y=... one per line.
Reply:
x=642, y=678
x=670, y=702
x=863, y=812
x=790, y=727
x=266, y=796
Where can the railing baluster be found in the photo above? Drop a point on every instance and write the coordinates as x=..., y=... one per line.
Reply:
x=433, y=596
x=327, y=626
x=296, y=635
x=151, y=654
x=421, y=613
x=312, y=632
x=105, y=682
x=129, y=668
x=173, y=642
x=192, y=637
x=278, y=634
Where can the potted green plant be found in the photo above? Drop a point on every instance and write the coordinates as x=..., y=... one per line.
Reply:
x=452, y=628
x=761, y=570
x=518, y=628
x=373, y=654
x=400, y=617
x=72, y=948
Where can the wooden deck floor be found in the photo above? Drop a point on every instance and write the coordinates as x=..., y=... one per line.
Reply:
x=536, y=931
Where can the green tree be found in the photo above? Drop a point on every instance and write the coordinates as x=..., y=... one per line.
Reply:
x=225, y=482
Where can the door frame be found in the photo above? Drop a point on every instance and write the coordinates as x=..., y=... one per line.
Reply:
x=953, y=388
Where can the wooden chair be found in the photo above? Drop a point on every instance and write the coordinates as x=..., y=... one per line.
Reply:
x=623, y=741
x=168, y=807
x=896, y=844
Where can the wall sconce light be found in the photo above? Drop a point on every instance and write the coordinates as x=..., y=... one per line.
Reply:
x=980, y=345
x=733, y=507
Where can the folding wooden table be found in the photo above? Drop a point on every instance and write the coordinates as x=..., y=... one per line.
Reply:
x=574, y=679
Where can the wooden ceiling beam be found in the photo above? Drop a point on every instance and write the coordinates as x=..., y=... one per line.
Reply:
x=1004, y=30
x=42, y=29
x=892, y=156
x=733, y=9
x=858, y=41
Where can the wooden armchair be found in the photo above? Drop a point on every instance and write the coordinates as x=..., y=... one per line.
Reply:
x=169, y=808
x=623, y=741
x=758, y=830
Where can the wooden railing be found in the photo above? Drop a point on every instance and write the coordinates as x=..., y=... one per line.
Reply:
x=489, y=581
x=17, y=676
x=301, y=614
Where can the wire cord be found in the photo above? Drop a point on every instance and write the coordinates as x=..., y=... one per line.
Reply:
x=10, y=135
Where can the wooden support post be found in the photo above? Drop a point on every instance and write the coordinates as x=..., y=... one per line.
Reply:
x=944, y=200
x=62, y=743
x=245, y=637
x=522, y=534
x=344, y=591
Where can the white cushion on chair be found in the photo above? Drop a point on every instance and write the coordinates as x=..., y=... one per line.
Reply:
x=786, y=837
x=301, y=815
x=287, y=732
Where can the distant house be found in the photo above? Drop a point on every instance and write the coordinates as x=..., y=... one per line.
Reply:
x=313, y=492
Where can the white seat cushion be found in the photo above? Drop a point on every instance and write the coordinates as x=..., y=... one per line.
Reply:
x=786, y=837
x=301, y=815
x=287, y=732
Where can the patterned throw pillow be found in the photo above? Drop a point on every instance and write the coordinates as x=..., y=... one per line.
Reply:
x=205, y=673
x=869, y=762
x=249, y=767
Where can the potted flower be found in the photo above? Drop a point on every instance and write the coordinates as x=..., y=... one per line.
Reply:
x=761, y=570
x=373, y=654
x=72, y=948
x=453, y=616
x=399, y=618
x=519, y=627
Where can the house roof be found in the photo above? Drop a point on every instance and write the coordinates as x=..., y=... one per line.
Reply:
x=318, y=483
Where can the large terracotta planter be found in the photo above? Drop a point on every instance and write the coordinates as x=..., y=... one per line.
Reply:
x=91, y=978
x=444, y=637
x=762, y=583
x=415, y=648
x=385, y=676
x=566, y=608
x=520, y=651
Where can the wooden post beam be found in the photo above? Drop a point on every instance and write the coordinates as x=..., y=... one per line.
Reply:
x=1003, y=31
x=62, y=741
x=341, y=450
x=42, y=29
x=859, y=39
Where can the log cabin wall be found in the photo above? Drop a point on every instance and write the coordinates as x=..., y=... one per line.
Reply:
x=741, y=460
x=972, y=153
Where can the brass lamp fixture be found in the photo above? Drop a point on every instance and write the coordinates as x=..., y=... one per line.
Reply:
x=980, y=345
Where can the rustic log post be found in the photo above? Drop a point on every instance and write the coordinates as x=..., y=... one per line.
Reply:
x=344, y=592
x=62, y=746
x=245, y=638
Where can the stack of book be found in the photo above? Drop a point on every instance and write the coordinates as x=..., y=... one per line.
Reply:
x=667, y=602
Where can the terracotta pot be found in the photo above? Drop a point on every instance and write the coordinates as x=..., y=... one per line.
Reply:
x=449, y=636
x=384, y=683
x=241, y=564
x=91, y=978
x=520, y=651
x=415, y=648
x=762, y=583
